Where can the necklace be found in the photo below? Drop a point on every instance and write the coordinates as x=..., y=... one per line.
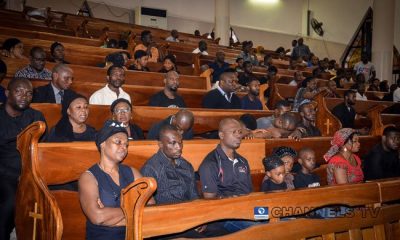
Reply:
x=115, y=192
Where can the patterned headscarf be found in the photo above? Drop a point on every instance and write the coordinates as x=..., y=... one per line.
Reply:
x=339, y=139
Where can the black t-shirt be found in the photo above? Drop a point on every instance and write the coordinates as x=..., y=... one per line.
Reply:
x=311, y=131
x=302, y=180
x=225, y=177
x=379, y=163
x=268, y=185
x=10, y=127
x=161, y=100
x=345, y=115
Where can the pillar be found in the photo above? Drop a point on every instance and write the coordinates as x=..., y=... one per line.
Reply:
x=383, y=38
x=222, y=21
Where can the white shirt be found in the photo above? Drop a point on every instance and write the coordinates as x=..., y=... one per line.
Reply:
x=197, y=50
x=105, y=96
x=396, y=95
x=361, y=98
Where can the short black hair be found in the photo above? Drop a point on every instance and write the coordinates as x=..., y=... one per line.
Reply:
x=10, y=43
x=139, y=54
x=238, y=59
x=249, y=121
x=282, y=103
x=246, y=63
x=144, y=34
x=119, y=100
x=112, y=43
x=306, y=81
x=272, y=69
x=390, y=129
x=272, y=162
x=13, y=82
x=348, y=92
x=289, y=117
x=53, y=47
x=284, y=151
x=123, y=44
x=303, y=105
x=3, y=67
x=36, y=49
x=110, y=69
x=165, y=128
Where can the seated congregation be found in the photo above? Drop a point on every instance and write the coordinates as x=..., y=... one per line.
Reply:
x=107, y=138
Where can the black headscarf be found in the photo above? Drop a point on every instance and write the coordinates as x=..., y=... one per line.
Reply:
x=63, y=127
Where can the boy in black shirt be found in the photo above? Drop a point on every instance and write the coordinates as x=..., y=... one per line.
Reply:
x=305, y=177
x=275, y=170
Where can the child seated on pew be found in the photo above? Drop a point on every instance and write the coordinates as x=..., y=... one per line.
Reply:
x=283, y=127
x=275, y=173
x=288, y=156
x=305, y=177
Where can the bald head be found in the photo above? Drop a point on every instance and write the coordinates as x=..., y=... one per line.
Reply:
x=183, y=120
x=226, y=123
x=230, y=133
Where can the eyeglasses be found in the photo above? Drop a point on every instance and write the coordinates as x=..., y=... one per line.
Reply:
x=122, y=110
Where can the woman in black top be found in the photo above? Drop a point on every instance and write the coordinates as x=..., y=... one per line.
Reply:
x=72, y=125
x=121, y=110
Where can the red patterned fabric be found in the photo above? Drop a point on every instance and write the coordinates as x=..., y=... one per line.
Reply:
x=354, y=173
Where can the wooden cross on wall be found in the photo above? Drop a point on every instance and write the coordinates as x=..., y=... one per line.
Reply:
x=35, y=215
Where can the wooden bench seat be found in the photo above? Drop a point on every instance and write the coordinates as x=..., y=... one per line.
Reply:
x=95, y=74
x=55, y=163
x=205, y=120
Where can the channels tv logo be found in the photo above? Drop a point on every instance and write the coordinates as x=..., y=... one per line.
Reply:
x=261, y=213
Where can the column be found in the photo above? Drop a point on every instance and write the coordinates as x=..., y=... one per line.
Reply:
x=382, y=38
x=222, y=21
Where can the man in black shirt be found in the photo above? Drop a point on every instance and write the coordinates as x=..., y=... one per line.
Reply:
x=383, y=160
x=223, y=97
x=168, y=97
x=183, y=120
x=345, y=111
x=308, y=117
x=224, y=173
x=58, y=88
x=15, y=115
x=174, y=175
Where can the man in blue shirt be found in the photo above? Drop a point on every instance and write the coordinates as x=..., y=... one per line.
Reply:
x=251, y=100
x=219, y=66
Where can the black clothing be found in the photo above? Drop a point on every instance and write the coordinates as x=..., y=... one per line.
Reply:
x=161, y=100
x=225, y=177
x=268, y=185
x=175, y=183
x=136, y=132
x=214, y=99
x=10, y=163
x=311, y=131
x=133, y=67
x=379, y=163
x=45, y=94
x=109, y=194
x=155, y=130
x=88, y=135
x=302, y=180
x=345, y=115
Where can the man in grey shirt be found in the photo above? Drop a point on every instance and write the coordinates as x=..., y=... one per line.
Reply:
x=280, y=108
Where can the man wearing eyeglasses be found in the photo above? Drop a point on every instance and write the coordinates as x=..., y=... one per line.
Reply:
x=36, y=69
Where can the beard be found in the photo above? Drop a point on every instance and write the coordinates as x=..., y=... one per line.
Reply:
x=173, y=89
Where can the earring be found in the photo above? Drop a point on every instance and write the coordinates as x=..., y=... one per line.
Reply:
x=345, y=149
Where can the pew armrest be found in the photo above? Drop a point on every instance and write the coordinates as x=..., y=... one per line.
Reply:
x=133, y=200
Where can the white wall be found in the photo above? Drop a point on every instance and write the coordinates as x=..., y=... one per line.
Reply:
x=397, y=25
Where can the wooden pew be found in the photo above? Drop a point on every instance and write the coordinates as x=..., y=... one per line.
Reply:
x=62, y=217
x=205, y=120
x=95, y=74
x=49, y=36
